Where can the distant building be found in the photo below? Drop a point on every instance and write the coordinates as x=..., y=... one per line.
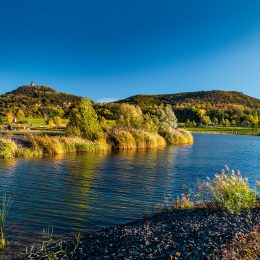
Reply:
x=32, y=83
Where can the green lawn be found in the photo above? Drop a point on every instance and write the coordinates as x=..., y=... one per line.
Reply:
x=226, y=130
x=38, y=127
x=36, y=122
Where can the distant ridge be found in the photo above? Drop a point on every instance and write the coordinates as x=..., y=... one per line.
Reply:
x=216, y=98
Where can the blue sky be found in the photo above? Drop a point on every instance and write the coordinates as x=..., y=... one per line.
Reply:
x=114, y=49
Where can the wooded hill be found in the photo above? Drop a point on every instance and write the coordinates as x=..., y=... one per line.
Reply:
x=225, y=107
x=33, y=100
x=220, y=107
x=214, y=98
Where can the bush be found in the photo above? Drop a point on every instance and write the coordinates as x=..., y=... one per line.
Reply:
x=231, y=192
x=179, y=136
x=130, y=116
x=8, y=148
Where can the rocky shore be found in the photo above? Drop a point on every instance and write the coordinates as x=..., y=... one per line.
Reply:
x=180, y=234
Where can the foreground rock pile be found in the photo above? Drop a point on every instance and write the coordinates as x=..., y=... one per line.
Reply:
x=193, y=234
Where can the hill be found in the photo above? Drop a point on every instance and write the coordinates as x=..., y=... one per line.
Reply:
x=34, y=100
x=214, y=98
x=203, y=107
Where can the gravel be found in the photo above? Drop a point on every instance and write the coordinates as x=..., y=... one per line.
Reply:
x=185, y=234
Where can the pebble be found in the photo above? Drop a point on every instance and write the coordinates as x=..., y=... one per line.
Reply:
x=194, y=234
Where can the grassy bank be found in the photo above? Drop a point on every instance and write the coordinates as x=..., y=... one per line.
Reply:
x=225, y=130
x=26, y=146
x=37, y=146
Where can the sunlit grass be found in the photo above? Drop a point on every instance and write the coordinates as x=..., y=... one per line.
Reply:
x=135, y=139
x=231, y=192
x=228, y=191
x=8, y=148
x=179, y=136
x=4, y=209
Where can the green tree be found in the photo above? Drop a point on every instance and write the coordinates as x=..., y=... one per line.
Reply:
x=151, y=123
x=130, y=116
x=167, y=120
x=84, y=122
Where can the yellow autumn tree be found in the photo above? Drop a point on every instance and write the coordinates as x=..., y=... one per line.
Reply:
x=57, y=120
x=9, y=117
x=20, y=114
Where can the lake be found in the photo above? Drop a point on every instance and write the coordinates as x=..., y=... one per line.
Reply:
x=91, y=191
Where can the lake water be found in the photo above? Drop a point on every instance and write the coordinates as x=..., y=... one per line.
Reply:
x=90, y=191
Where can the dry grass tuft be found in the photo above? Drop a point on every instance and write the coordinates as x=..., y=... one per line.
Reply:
x=179, y=136
x=244, y=247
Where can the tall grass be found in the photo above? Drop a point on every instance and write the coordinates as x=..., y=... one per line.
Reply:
x=8, y=148
x=179, y=136
x=145, y=139
x=227, y=191
x=49, y=145
x=135, y=139
x=122, y=139
x=231, y=192
x=4, y=209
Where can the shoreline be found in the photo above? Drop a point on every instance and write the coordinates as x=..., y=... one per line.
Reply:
x=29, y=146
x=220, y=133
x=178, y=234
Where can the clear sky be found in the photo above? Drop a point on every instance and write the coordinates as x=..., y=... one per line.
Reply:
x=118, y=48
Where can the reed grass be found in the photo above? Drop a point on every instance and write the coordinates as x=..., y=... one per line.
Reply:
x=4, y=209
x=47, y=145
x=135, y=139
x=179, y=136
x=8, y=148
x=122, y=139
x=118, y=138
x=145, y=139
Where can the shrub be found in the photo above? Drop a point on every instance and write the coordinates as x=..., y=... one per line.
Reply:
x=8, y=148
x=178, y=136
x=231, y=192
